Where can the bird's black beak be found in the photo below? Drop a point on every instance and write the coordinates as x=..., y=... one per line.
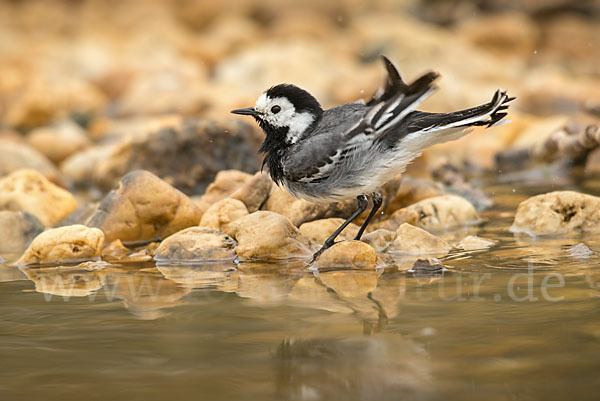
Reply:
x=248, y=111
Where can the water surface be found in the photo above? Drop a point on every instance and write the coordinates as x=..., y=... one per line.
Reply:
x=519, y=321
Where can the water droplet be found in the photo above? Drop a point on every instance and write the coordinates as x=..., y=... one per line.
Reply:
x=535, y=52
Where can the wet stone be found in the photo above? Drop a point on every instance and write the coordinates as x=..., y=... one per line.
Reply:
x=264, y=235
x=397, y=218
x=473, y=242
x=443, y=212
x=427, y=267
x=349, y=254
x=144, y=207
x=196, y=244
x=412, y=240
x=64, y=245
x=580, y=251
x=559, y=212
x=379, y=239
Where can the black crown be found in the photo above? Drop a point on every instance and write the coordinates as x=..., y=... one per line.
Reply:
x=301, y=99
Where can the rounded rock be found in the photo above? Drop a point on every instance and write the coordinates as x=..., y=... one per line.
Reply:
x=300, y=211
x=379, y=239
x=29, y=191
x=226, y=182
x=16, y=156
x=473, y=242
x=559, y=212
x=196, y=244
x=319, y=230
x=222, y=214
x=349, y=254
x=255, y=191
x=446, y=211
x=416, y=241
x=268, y=236
x=64, y=245
x=144, y=207
x=60, y=141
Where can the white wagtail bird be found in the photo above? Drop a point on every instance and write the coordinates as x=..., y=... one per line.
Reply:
x=351, y=150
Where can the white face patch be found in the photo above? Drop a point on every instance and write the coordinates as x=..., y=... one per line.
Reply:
x=286, y=117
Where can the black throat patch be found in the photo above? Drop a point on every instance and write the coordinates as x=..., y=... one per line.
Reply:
x=273, y=147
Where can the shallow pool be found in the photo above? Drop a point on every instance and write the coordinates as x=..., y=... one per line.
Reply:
x=519, y=321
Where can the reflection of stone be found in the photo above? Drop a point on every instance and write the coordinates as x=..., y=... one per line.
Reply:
x=390, y=291
x=308, y=293
x=221, y=276
x=10, y=273
x=144, y=293
x=353, y=287
x=266, y=288
x=373, y=367
x=68, y=281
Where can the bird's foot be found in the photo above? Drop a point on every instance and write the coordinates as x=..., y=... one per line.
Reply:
x=316, y=255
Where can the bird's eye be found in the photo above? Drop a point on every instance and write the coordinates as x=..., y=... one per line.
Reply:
x=275, y=109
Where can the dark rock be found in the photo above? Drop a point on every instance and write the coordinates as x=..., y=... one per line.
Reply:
x=186, y=156
x=17, y=230
x=427, y=267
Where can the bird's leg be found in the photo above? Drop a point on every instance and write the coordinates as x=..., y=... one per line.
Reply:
x=363, y=202
x=377, y=201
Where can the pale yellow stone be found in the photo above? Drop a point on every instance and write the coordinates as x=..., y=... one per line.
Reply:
x=416, y=241
x=222, y=214
x=559, y=212
x=29, y=191
x=266, y=235
x=349, y=254
x=64, y=245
